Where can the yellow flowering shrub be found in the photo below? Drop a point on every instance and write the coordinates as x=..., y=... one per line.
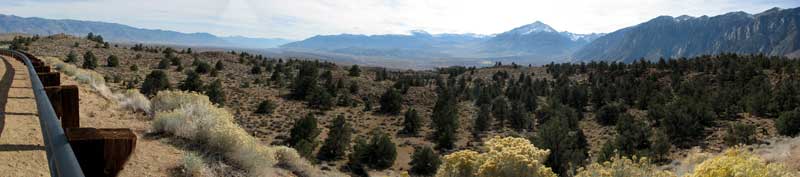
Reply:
x=623, y=166
x=738, y=162
x=506, y=157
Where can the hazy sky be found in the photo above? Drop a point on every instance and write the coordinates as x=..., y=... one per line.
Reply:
x=298, y=19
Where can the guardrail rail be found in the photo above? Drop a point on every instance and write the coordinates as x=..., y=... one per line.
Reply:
x=60, y=156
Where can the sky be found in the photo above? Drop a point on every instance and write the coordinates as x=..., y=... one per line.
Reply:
x=299, y=19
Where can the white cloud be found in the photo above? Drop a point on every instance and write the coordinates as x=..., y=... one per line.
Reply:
x=297, y=19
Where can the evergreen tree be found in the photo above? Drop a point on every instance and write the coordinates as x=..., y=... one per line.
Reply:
x=424, y=162
x=566, y=142
x=608, y=114
x=445, y=120
x=338, y=140
x=359, y=157
x=266, y=107
x=661, y=145
x=304, y=82
x=163, y=64
x=740, y=133
x=683, y=119
x=632, y=136
x=219, y=65
x=112, y=61
x=303, y=129
x=788, y=123
x=215, y=93
x=191, y=83
x=500, y=110
x=202, y=68
x=484, y=120
x=305, y=148
x=256, y=70
x=71, y=57
x=155, y=81
x=320, y=99
x=89, y=60
x=354, y=71
x=383, y=151
x=519, y=118
x=412, y=122
x=391, y=102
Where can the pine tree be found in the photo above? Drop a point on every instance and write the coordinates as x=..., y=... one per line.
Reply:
x=256, y=70
x=163, y=64
x=192, y=82
x=608, y=114
x=519, y=118
x=383, y=151
x=89, y=60
x=71, y=57
x=445, y=120
x=354, y=71
x=304, y=82
x=215, y=93
x=500, y=110
x=112, y=61
x=359, y=157
x=303, y=129
x=320, y=99
x=338, y=140
x=391, y=102
x=565, y=140
x=155, y=81
x=484, y=119
x=424, y=162
x=202, y=68
x=632, y=136
x=412, y=122
x=219, y=65
x=265, y=107
x=788, y=123
x=661, y=145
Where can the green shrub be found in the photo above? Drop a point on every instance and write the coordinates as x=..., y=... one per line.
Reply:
x=411, y=122
x=156, y=81
x=424, y=162
x=89, y=60
x=391, y=102
x=788, y=123
x=739, y=133
x=191, y=83
x=338, y=140
x=608, y=114
x=266, y=107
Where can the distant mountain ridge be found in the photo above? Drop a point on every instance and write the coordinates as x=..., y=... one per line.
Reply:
x=532, y=43
x=123, y=33
x=773, y=32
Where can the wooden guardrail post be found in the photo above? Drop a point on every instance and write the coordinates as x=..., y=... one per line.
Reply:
x=101, y=152
x=65, y=103
x=50, y=78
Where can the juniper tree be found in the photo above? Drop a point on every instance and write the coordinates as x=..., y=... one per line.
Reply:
x=215, y=93
x=71, y=57
x=519, y=119
x=112, y=61
x=219, y=65
x=354, y=71
x=303, y=129
x=500, y=110
x=411, y=122
x=255, y=70
x=202, y=68
x=191, y=83
x=445, y=120
x=155, y=81
x=608, y=114
x=338, y=140
x=163, y=64
x=383, y=151
x=266, y=107
x=565, y=140
x=424, y=162
x=788, y=123
x=89, y=60
x=484, y=120
x=632, y=136
x=304, y=82
x=391, y=102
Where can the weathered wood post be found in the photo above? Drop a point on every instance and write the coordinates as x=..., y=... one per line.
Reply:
x=66, y=103
x=50, y=79
x=101, y=152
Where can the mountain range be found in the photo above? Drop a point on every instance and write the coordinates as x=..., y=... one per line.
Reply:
x=773, y=32
x=536, y=42
x=123, y=33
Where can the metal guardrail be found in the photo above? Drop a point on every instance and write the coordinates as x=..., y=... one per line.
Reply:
x=60, y=157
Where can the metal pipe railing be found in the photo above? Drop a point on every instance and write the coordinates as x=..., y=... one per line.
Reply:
x=60, y=157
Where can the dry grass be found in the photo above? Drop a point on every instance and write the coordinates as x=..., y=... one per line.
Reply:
x=195, y=118
x=194, y=166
